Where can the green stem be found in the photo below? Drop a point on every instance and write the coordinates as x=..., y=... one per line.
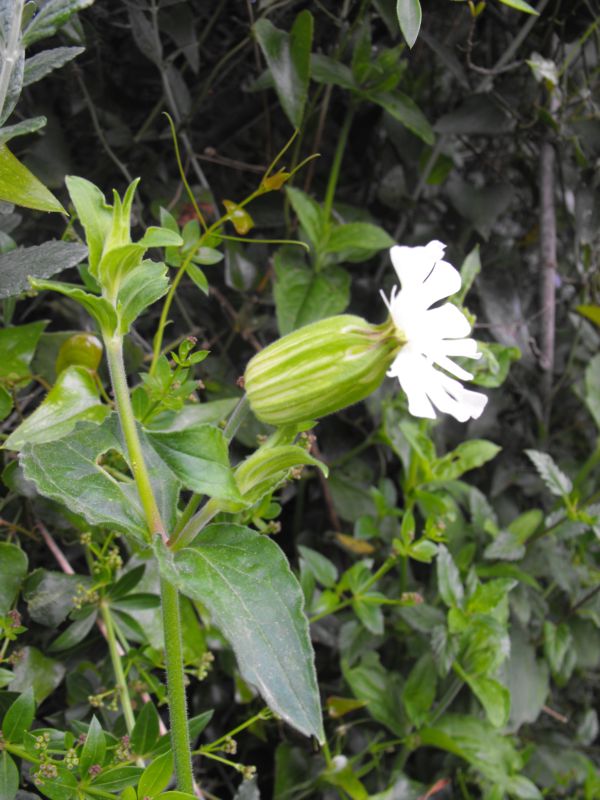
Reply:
x=383, y=570
x=337, y=162
x=117, y=667
x=169, y=595
x=116, y=366
x=180, y=737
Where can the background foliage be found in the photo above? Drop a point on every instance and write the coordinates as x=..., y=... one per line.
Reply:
x=450, y=573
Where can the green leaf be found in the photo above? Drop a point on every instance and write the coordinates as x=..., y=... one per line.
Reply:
x=142, y=286
x=117, y=778
x=494, y=698
x=468, y=455
x=97, y=307
x=17, y=346
x=50, y=17
x=520, y=5
x=72, y=399
x=590, y=312
x=380, y=689
x=34, y=670
x=94, y=214
x=309, y=213
x=199, y=457
x=449, y=584
x=19, y=718
x=22, y=128
x=419, y=690
x=303, y=296
x=358, y=241
x=323, y=570
x=49, y=596
x=13, y=569
x=145, y=731
x=470, y=269
x=406, y=111
x=40, y=261
x=160, y=237
x=9, y=777
x=6, y=403
x=346, y=779
x=464, y=736
x=325, y=69
x=198, y=278
x=245, y=582
x=20, y=186
x=156, y=776
x=75, y=633
x=591, y=388
x=39, y=65
x=94, y=748
x=67, y=470
x=288, y=58
x=556, y=481
x=409, y=17
x=63, y=787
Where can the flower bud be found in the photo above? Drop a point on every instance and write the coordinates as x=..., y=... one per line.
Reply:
x=319, y=369
x=81, y=350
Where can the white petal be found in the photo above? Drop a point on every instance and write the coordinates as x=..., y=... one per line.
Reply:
x=411, y=371
x=464, y=403
x=461, y=347
x=414, y=264
x=447, y=322
x=443, y=281
x=452, y=368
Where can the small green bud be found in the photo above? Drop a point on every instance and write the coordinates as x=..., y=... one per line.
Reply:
x=82, y=350
x=319, y=369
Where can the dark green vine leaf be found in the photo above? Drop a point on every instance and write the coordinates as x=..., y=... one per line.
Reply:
x=145, y=731
x=245, y=582
x=288, y=57
x=40, y=261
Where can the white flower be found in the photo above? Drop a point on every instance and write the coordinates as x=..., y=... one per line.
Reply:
x=431, y=335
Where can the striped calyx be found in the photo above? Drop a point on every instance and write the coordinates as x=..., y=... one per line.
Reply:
x=319, y=369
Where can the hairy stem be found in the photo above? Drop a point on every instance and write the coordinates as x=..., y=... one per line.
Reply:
x=180, y=737
x=169, y=595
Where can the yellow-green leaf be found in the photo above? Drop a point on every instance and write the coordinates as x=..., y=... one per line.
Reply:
x=20, y=186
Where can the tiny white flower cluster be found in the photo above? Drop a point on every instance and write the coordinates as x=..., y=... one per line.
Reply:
x=432, y=335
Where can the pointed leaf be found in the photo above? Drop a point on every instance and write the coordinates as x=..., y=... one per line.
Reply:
x=141, y=287
x=19, y=718
x=245, y=582
x=18, y=345
x=13, y=569
x=409, y=16
x=39, y=65
x=94, y=749
x=40, y=261
x=97, y=307
x=52, y=16
x=94, y=214
x=555, y=479
x=146, y=729
x=9, y=777
x=67, y=470
x=156, y=776
x=406, y=111
x=22, y=128
x=20, y=186
x=199, y=457
x=288, y=58
x=72, y=399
